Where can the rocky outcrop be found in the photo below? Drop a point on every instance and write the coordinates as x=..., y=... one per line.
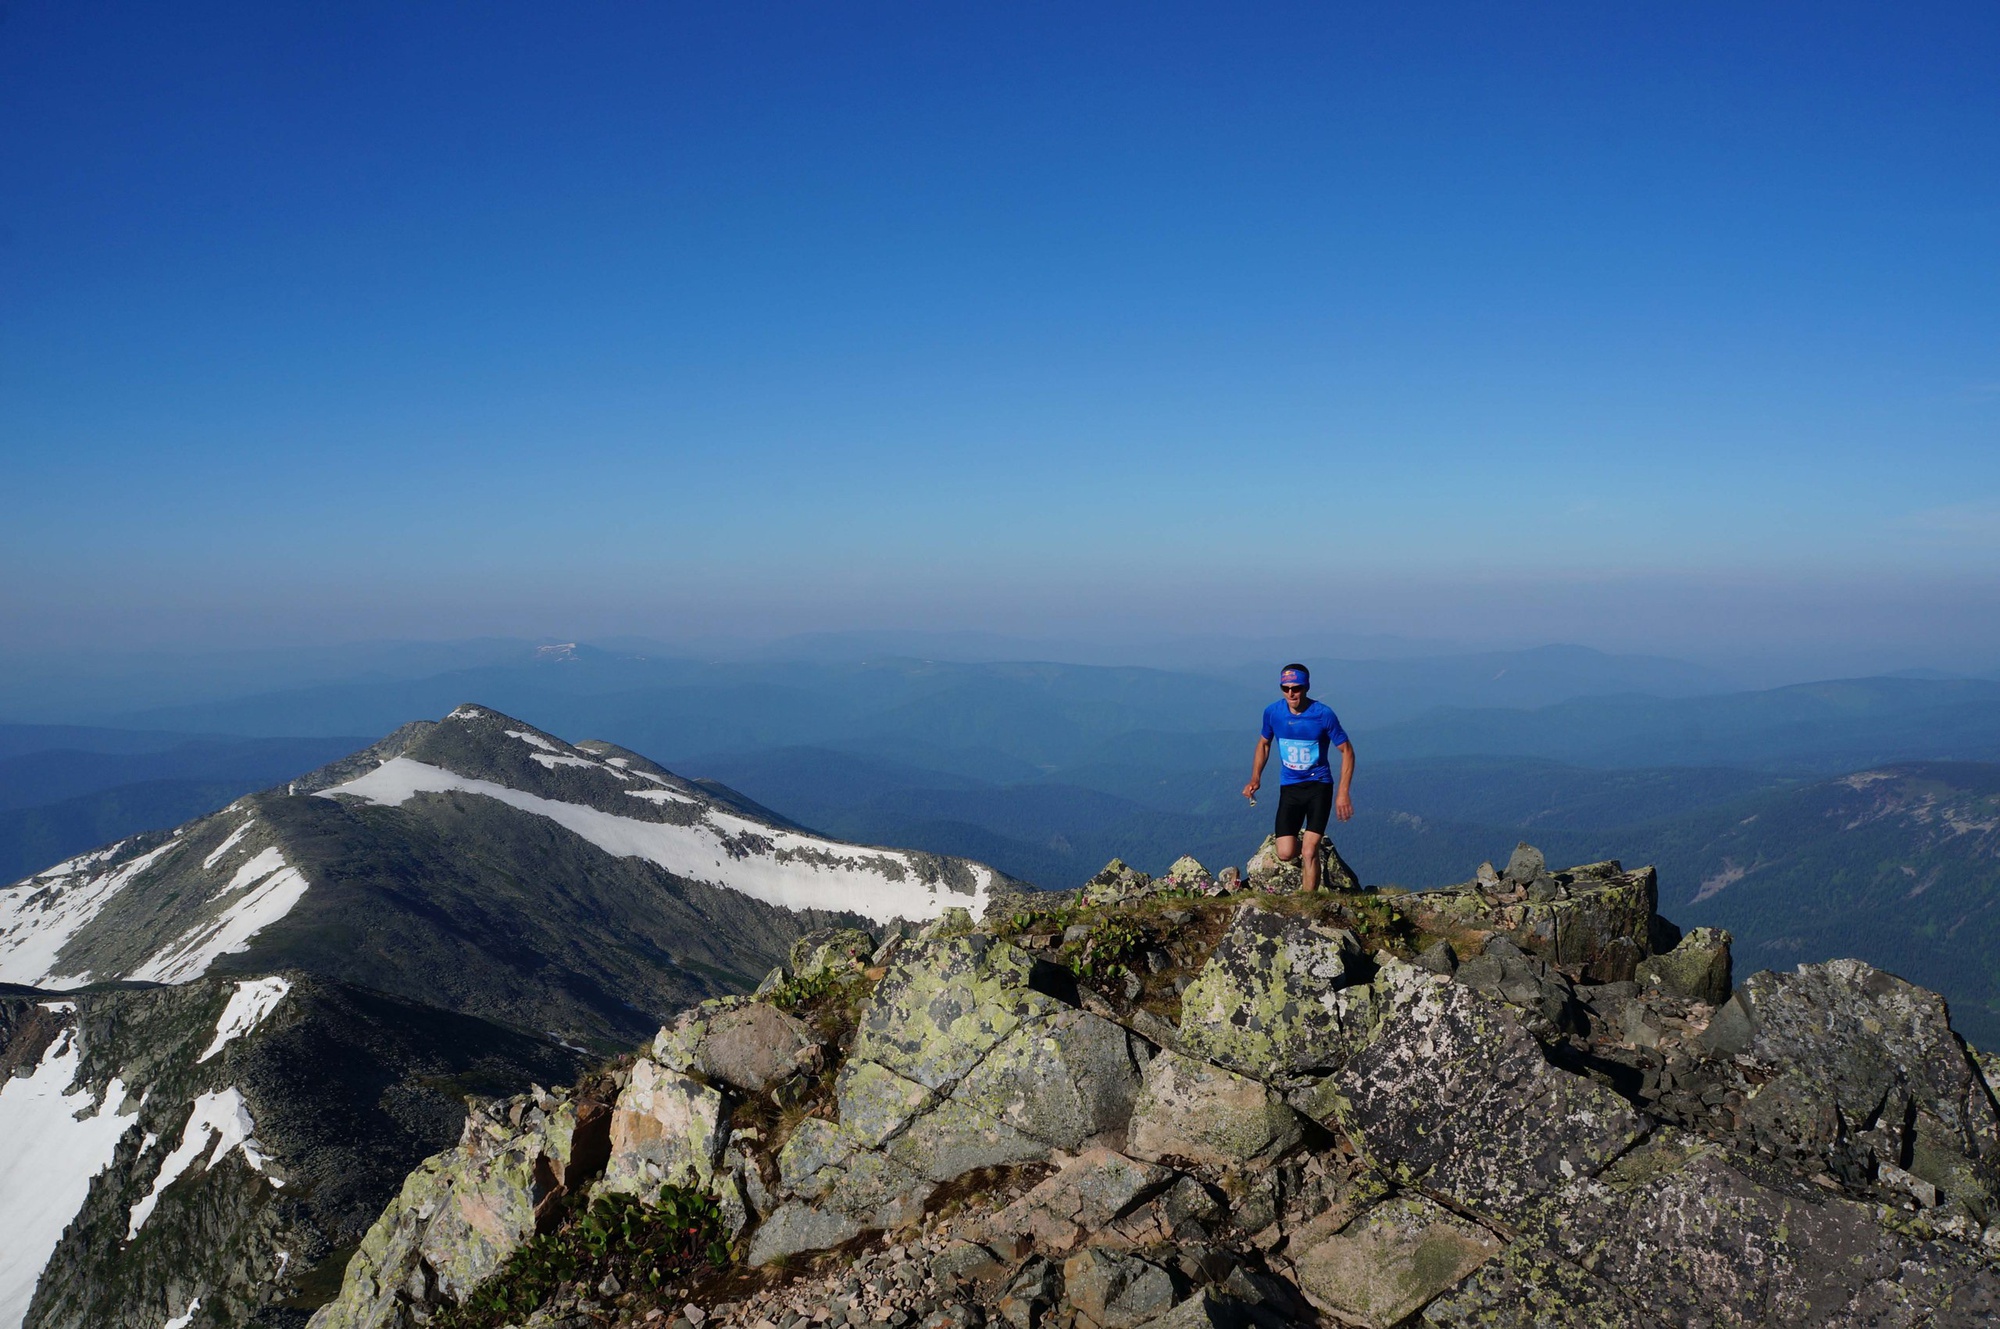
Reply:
x=465, y=1211
x=1524, y=1101
x=1595, y=922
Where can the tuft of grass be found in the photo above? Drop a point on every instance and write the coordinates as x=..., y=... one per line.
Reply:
x=645, y=1245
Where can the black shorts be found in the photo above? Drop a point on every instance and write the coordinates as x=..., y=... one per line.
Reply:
x=1306, y=804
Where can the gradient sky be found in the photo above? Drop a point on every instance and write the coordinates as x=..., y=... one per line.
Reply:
x=1655, y=326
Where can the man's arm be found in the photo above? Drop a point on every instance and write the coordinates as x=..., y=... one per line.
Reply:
x=1343, y=806
x=1257, y=769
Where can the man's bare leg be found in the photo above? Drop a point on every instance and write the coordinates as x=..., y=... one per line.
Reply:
x=1288, y=848
x=1310, y=868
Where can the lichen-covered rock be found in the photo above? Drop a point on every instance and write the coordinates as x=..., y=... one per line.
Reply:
x=829, y=1168
x=464, y=1211
x=1595, y=922
x=839, y=950
x=1113, y=1291
x=1060, y=1078
x=1205, y=1114
x=1527, y=1286
x=1378, y=1269
x=1544, y=996
x=1451, y=1092
x=945, y=1003
x=1116, y=883
x=1696, y=968
x=747, y=1045
x=952, y=1138
x=1090, y=1192
x=1864, y=1071
x=664, y=1128
x=1271, y=999
x=798, y=1227
x=1693, y=1237
x=954, y=1032
x=1275, y=876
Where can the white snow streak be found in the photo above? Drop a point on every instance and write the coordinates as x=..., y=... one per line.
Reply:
x=46, y=1165
x=185, y=1318
x=852, y=880
x=258, y=868
x=662, y=796
x=252, y=1000
x=40, y=915
x=235, y=836
x=221, y=1120
x=532, y=740
x=558, y=760
x=189, y=955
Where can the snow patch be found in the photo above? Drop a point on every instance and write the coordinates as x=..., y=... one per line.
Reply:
x=663, y=796
x=220, y=1125
x=47, y=1164
x=553, y=762
x=532, y=740
x=467, y=713
x=259, y=867
x=235, y=837
x=722, y=849
x=252, y=1000
x=185, y=1318
x=269, y=889
x=39, y=916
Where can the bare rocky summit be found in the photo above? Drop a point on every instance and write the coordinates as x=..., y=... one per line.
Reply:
x=1206, y=1100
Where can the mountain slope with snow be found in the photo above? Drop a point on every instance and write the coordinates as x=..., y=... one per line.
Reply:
x=480, y=865
x=219, y=1141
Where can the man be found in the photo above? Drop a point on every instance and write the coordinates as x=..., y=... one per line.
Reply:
x=1306, y=733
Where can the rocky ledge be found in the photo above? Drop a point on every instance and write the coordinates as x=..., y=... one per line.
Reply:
x=1214, y=1101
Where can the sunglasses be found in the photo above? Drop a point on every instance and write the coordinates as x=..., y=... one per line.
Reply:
x=1291, y=687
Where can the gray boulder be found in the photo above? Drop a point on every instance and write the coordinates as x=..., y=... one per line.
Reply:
x=1113, y=1291
x=1205, y=1114
x=1377, y=1270
x=1271, y=999
x=1090, y=1192
x=1453, y=1094
x=1697, y=968
x=830, y=950
x=748, y=1045
x=665, y=1127
x=1864, y=1071
x=1694, y=1237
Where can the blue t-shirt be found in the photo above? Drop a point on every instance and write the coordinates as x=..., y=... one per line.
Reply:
x=1303, y=740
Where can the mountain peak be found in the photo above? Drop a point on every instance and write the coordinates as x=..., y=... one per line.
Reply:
x=479, y=863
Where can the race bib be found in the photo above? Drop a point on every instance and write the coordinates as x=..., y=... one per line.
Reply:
x=1298, y=754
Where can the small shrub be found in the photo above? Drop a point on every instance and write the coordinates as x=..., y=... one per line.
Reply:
x=1113, y=943
x=643, y=1245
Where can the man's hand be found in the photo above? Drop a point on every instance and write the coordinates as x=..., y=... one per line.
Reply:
x=1343, y=806
x=1250, y=790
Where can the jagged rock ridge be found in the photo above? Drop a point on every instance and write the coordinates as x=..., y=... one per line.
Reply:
x=1515, y=1101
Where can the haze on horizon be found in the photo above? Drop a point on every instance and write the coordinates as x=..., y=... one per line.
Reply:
x=1660, y=329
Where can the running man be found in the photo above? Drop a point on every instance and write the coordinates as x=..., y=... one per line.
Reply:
x=1306, y=732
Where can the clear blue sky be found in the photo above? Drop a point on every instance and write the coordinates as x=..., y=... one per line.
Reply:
x=1645, y=325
